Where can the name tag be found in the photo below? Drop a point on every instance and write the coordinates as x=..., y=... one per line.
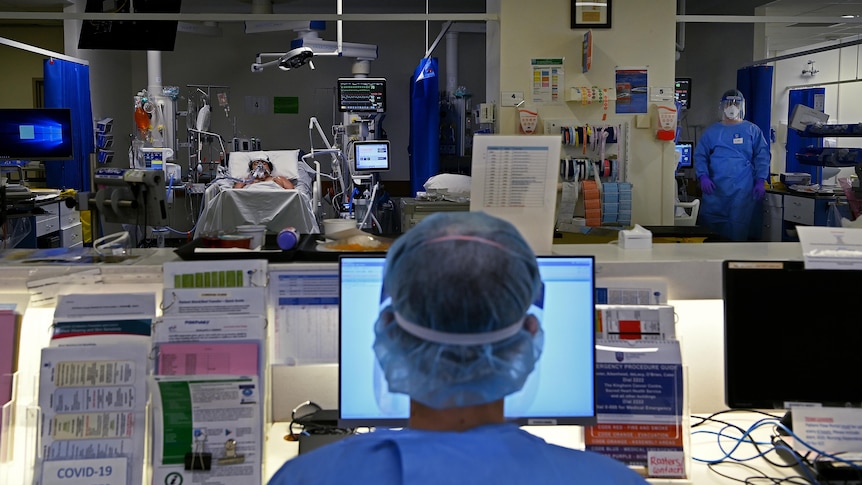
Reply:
x=737, y=140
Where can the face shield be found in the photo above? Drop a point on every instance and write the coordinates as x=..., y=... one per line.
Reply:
x=732, y=106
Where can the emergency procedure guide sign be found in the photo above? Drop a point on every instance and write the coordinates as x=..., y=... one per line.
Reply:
x=639, y=403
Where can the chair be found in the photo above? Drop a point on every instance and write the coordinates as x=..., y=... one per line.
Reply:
x=689, y=216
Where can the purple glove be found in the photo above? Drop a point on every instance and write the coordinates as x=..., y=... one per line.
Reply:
x=706, y=185
x=759, y=189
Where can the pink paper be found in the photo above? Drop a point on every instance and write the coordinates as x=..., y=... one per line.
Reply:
x=208, y=359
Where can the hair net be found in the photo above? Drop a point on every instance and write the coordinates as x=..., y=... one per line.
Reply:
x=732, y=98
x=451, y=330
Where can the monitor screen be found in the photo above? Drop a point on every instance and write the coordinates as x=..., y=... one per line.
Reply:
x=361, y=95
x=36, y=134
x=682, y=91
x=686, y=152
x=371, y=155
x=791, y=335
x=122, y=34
x=561, y=390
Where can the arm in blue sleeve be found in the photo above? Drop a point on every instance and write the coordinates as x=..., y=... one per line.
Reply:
x=762, y=156
x=701, y=156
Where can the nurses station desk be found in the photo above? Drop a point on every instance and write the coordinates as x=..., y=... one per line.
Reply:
x=692, y=273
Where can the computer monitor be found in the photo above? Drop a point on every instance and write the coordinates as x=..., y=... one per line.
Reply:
x=682, y=91
x=371, y=155
x=686, y=155
x=36, y=134
x=361, y=95
x=791, y=335
x=561, y=390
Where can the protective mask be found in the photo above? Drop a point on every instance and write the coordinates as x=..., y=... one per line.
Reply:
x=731, y=112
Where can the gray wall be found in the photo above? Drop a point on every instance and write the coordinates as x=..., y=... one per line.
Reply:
x=712, y=55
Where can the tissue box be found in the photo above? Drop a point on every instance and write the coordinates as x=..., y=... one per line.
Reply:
x=637, y=238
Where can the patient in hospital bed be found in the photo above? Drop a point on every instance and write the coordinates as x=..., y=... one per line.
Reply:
x=272, y=188
x=260, y=172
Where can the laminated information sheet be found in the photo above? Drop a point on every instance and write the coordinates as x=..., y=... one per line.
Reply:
x=207, y=430
x=93, y=414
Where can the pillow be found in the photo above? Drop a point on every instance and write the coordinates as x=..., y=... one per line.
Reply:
x=452, y=182
x=284, y=163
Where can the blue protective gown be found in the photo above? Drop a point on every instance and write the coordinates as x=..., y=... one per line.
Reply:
x=493, y=454
x=734, y=156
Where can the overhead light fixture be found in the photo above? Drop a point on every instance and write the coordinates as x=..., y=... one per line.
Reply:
x=296, y=58
x=285, y=61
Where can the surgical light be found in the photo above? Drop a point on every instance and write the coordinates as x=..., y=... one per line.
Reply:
x=296, y=58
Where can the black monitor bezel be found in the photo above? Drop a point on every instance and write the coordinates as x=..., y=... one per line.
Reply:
x=582, y=420
x=774, y=309
x=343, y=81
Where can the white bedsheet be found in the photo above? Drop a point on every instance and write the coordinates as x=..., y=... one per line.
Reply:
x=264, y=203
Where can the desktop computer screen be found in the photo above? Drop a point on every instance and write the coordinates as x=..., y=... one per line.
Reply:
x=561, y=389
x=791, y=335
x=36, y=134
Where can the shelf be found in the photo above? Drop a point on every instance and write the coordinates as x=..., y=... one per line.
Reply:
x=830, y=157
x=854, y=129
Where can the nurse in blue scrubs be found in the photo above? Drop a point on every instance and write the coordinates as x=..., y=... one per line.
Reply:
x=456, y=337
x=731, y=162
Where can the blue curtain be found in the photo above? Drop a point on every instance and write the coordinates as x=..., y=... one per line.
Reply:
x=67, y=85
x=424, y=124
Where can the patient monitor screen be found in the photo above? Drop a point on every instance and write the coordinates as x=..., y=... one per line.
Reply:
x=361, y=95
x=371, y=156
x=561, y=389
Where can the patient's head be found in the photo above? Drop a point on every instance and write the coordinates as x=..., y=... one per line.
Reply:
x=252, y=164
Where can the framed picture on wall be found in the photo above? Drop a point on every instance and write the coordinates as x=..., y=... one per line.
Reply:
x=593, y=14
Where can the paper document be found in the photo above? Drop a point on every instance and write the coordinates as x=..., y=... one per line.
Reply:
x=207, y=430
x=306, y=316
x=515, y=178
x=831, y=247
x=93, y=407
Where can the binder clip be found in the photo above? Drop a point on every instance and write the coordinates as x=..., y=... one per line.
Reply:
x=230, y=457
x=198, y=459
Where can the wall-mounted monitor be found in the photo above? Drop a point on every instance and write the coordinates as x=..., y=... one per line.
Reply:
x=682, y=91
x=560, y=390
x=40, y=134
x=361, y=95
x=371, y=155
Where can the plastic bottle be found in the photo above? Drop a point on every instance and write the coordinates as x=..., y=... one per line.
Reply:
x=287, y=238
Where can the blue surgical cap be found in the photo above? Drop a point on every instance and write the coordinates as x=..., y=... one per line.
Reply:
x=451, y=328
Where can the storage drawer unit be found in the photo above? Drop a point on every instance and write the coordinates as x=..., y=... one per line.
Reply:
x=799, y=210
x=413, y=211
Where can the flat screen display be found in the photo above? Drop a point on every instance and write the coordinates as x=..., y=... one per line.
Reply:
x=685, y=150
x=791, y=335
x=561, y=390
x=361, y=95
x=682, y=91
x=132, y=34
x=36, y=134
x=371, y=156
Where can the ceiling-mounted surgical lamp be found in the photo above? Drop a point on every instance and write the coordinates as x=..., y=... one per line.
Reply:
x=292, y=59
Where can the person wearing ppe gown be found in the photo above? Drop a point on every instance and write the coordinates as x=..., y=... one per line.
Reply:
x=456, y=338
x=731, y=162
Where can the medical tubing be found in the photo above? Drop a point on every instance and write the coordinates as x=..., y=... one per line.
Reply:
x=369, y=205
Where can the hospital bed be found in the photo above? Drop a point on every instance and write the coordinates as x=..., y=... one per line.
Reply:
x=263, y=203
